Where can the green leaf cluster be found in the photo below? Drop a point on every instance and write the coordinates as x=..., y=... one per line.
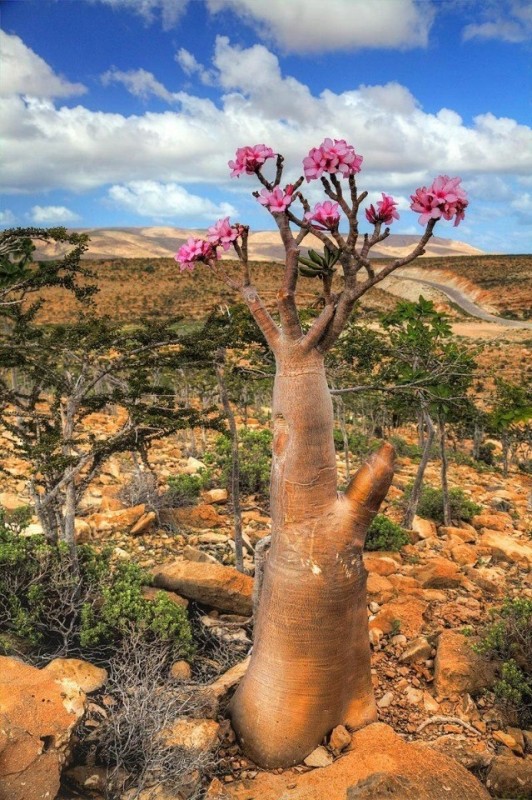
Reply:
x=53, y=608
x=384, y=534
x=254, y=456
x=508, y=639
x=431, y=504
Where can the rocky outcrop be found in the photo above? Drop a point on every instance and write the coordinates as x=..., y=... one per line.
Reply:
x=213, y=585
x=458, y=669
x=37, y=717
x=377, y=766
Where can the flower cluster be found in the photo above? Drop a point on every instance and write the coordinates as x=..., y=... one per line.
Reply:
x=249, y=159
x=277, y=201
x=222, y=233
x=194, y=251
x=445, y=198
x=331, y=157
x=386, y=211
x=325, y=216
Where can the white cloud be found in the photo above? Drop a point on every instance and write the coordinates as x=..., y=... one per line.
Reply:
x=522, y=208
x=139, y=83
x=50, y=147
x=507, y=20
x=304, y=27
x=24, y=72
x=55, y=215
x=169, y=10
x=7, y=218
x=165, y=200
x=191, y=66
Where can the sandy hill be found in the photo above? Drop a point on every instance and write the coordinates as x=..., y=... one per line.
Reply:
x=162, y=242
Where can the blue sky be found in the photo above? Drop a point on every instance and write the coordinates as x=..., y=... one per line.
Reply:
x=125, y=112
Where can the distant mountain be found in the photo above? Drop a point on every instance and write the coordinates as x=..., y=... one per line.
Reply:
x=162, y=242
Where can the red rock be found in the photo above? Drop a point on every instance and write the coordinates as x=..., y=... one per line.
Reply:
x=380, y=588
x=439, y=573
x=37, y=717
x=213, y=585
x=201, y=516
x=458, y=669
x=495, y=522
x=380, y=565
x=88, y=677
x=503, y=547
x=406, y=613
x=378, y=764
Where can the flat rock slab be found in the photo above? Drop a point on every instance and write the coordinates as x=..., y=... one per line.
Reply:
x=378, y=766
x=212, y=585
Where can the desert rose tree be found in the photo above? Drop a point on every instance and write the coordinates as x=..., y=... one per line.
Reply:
x=310, y=665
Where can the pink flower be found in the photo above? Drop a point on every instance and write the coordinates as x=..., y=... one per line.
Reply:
x=222, y=233
x=332, y=157
x=445, y=198
x=386, y=211
x=249, y=159
x=276, y=201
x=194, y=251
x=325, y=215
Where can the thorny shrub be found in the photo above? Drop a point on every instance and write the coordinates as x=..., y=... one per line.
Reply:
x=431, y=504
x=383, y=534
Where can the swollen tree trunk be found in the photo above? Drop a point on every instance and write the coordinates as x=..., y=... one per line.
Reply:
x=413, y=500
x=310, y=665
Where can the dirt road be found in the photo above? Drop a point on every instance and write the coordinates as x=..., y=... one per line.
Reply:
x=476, y=311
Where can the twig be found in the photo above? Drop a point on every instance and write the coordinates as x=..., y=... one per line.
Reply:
x=439, y=720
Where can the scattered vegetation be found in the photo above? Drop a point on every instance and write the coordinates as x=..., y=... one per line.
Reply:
x=431, y=504
x=255, y=460
x=508, y=639
x=51, y=605
x=383, y=534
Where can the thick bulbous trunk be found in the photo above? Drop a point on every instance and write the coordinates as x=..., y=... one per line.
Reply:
x=310, y=666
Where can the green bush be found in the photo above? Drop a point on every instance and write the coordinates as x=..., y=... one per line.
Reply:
x=359, y=443
x=404, y=448
x=184, y=490
x=508, y=639
x=486, y=453
x=431, y=504
x=383, y=534
x=51, y=606
x=255, y=452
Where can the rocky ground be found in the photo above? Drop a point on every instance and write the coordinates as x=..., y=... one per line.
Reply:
x=424, y=603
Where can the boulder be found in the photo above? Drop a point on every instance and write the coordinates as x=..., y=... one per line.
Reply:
x=144, y=523
x=467, y=535
x=439, y=573
x=216, y=496
x=85, y=675
x=510, y=776
x=201, y=516
x=379, y=588
x=381, y=565
x=404, y=614
x=419, y=649
x=150, y=593
x=503, y=547
x=378, y=765
x=37, y=717
x=425, y=528
x=212, y=585
x=458, y=669
x=495, y=522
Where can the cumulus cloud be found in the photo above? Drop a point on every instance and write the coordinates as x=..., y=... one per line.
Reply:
x=7, y=218
x=139, y=83
x=191, y=66
x=24, y=72
x=48, y=146
x=53, y=215
x=507, y=20
x=169, y=11
x=303, y=27
x=165, y=200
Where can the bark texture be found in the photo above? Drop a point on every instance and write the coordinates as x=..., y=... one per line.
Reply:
x=310, y=666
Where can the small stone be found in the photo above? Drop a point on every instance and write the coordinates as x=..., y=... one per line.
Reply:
x=419, y=649
x=386, y=700
x=506, y=739
x=340, y=738
x=320, y=757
